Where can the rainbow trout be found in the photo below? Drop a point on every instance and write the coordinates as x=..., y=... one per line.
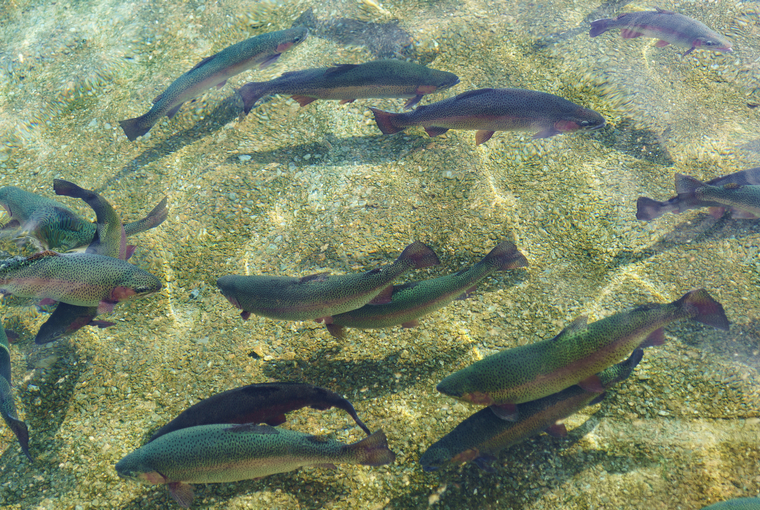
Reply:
x=490, y=110
x=320, y=296
x=53, y=226
x=667, y=26
x=648, y=209
x=348, y=82
x=413, y=300
x=483, y=435
x=81, y=279
x=215, y=70
x=736, y=504
x=224, y=453
x=574, y=356
x=110, y=240
x=258, y=403
x=7, y=405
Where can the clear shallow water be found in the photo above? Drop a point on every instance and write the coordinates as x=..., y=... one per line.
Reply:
x=289, y=190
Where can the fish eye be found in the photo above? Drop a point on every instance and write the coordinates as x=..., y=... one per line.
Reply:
x=711, y=43
x=584, y=123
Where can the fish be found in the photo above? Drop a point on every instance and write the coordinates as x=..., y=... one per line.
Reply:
x=261, y=50
x=483, y=435
x=348, y=82
x=736, y=504
x=7, y=405
x=574, y=356
x=53, y=226
x=258, y=403
x=82, y=279
x=413, y=300
x=649, y=209
x=490, y=110
x=109, y=240
x=320, y=296
x=667, y=26
x=228, y=453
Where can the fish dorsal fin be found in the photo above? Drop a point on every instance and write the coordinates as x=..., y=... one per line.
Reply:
x=202, y=62
x=577, y=325
x=42, y=255
x=318, y=439
x=663, y=11
x=252, y=428
x=340, y=68
x=471, y=93
x=314, y=278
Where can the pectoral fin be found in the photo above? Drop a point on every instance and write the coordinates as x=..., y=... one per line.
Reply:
x=592, y=384
x=661, y=43
x=557, y=430
x=483, y=136
x=506, y=412
x=182, y=493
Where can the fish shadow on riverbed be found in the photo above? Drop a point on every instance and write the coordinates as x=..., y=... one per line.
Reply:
x=694, y=231
x=42, y=404
x=310, y=493
x=376, y=377
x=224, y=113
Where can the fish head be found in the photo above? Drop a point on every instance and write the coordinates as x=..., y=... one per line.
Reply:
x=446, y=80
x=295, y=36
x=132, y=467
x=582, y=118
x=713, y=42
x=141, y=284
x=435, y=458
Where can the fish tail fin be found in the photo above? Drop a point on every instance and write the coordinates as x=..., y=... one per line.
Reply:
x=648, y=209
x=686, y=185
x=69, y=189
x=385, y=121
x=704, y=308
x=599, y=27
x=154, y=218
x=420, y=254
x=250, y=93
x=134, y=128
x=506, y=256
x=372, y=450
x=22, y=434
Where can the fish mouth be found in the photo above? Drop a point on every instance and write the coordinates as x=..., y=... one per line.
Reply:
x=598, y=126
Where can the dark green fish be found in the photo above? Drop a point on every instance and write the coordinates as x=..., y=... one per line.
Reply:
x=413, y=300
x=648, y=209
x=483, y=435
x=736, y=504
x=258, y=403
x=7, y=406
x=215, y=70
x=667, y=26
x=348, y=82
x=490, y=110
x=110, y=240
x=742, y=200
x=81, y=279
x=574, y=356
x=53, y=226
x=320, y=296
x=228, y=453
